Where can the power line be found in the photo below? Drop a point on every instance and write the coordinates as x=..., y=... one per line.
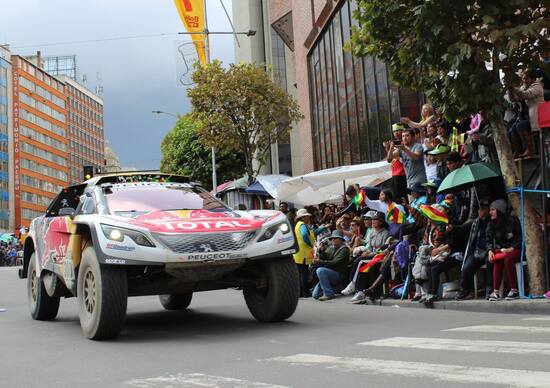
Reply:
x=97, y=40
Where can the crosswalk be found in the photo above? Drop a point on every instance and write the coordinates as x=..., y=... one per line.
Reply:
x=382, y=368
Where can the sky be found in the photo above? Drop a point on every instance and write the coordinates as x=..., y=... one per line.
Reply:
x=137, y=75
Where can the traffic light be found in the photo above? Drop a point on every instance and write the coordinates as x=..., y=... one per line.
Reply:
x=88, y=172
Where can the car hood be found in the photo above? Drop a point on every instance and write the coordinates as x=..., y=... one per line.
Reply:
x=196, y=221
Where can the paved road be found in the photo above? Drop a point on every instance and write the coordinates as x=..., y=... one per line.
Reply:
x=217, y=344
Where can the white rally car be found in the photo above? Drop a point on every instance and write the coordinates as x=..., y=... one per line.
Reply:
x=123, y=235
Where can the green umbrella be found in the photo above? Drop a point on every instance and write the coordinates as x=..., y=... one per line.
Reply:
x=468, y=175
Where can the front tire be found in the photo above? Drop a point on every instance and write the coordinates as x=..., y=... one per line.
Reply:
x=278, y=300
x=43, y=307
x=176, y=301
x=102, y=294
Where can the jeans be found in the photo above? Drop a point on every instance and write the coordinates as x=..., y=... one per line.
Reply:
x=328, y=280
x=471, y=266
x=436, y=269
x=508, y=264
x=303, y=272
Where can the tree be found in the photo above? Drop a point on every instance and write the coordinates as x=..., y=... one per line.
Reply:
x=241, y=109
x=183, y=153
x=453, y=51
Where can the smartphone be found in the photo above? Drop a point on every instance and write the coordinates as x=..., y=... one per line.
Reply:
x=396, y=142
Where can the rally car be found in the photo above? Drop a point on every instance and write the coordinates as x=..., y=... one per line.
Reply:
x=122, y=235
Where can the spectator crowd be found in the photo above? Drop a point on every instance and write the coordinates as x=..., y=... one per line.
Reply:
x=402, y=239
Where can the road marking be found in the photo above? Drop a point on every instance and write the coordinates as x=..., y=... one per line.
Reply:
x=503, y=329
x=198, y=380
x=439, y=372
x=537, y=319
x=463, y=345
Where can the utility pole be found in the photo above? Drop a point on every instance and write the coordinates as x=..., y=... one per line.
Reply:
x=207, y=55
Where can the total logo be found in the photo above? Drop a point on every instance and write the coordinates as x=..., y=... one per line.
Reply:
x=204, y=225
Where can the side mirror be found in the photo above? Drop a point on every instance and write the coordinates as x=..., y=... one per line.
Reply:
x=67, y=211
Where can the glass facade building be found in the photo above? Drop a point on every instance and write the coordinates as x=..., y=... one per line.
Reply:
x=4, y=158
x=353, y=102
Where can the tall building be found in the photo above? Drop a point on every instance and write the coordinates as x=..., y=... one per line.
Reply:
x=85, y=124
x=5, y=139
x=40, y=144
x=349, y=103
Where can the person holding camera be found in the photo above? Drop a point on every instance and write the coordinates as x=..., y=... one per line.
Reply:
x=332, y=262
x=411, y=154
x=398, y=176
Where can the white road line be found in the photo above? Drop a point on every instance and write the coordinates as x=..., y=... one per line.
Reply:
x=439, y=372
x=197, y=380
x=463, y=345
x=503, y=329
x=537, y=319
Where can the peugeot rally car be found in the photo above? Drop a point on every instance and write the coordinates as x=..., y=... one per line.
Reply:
x=123, y=235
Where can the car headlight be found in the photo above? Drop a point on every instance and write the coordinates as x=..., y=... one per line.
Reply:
x=271, y=231
x=114, y=233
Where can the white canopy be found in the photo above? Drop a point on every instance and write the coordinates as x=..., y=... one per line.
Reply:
x=324, y=185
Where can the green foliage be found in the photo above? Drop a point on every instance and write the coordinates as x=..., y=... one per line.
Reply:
x=241, y=109
x=183, y=153
x=441, y=47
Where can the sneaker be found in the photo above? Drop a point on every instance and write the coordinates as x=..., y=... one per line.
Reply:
x=494, y=296
x=422, y=299
x=327, y=297
x=350, y=289
x=547, y=295
x=416, y=298
x=359, y=297
x=513, y=294
x=429, y=301
x=463, y=295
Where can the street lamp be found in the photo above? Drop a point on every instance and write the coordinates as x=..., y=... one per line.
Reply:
x=160, y=112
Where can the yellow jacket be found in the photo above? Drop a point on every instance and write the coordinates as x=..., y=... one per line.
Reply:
x=305, y=248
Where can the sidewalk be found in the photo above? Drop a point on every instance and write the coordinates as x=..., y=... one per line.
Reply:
x=519, y=306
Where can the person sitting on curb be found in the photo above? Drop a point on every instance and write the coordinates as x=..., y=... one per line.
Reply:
x=476, y=253
x=331, y=267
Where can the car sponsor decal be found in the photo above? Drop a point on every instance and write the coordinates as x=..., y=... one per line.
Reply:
x=285, y=239
x=212, y=256
x=195, y=221
x=115, y=261
x=120, y=247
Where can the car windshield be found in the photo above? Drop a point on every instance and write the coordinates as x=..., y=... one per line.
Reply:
x=132, y=201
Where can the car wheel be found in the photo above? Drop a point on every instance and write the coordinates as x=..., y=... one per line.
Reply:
x=278, y=300
x=176, y=301
x=43, y=307
x=102, y=294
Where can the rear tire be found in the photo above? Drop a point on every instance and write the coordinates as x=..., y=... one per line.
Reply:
x=176, y=301
x=102, y=294
x=43, y=307
x=279, y=299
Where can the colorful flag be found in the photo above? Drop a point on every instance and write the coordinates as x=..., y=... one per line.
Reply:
x=193, y=18
x=434, y=214
x=359, y=199
x=376, y=259
x=456, y=140
x=393, y=214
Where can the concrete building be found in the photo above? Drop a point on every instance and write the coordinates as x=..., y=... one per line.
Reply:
x=40, y=138
x=6, y=201
x=348, y=103
x=85, y=124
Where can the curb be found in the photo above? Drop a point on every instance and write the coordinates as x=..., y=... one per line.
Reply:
x=522, y=306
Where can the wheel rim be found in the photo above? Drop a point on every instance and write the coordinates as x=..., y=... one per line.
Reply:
x=90, y=296
x=34, y=290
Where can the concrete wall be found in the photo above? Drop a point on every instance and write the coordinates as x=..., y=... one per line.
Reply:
x=247, y=15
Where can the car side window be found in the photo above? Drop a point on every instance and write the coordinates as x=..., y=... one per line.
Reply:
x=67, y=198
x=86, y=205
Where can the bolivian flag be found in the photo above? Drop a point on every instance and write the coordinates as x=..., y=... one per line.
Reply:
x=359, y=199
x=393, y=214
x=434, y=214
x=376, y=259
